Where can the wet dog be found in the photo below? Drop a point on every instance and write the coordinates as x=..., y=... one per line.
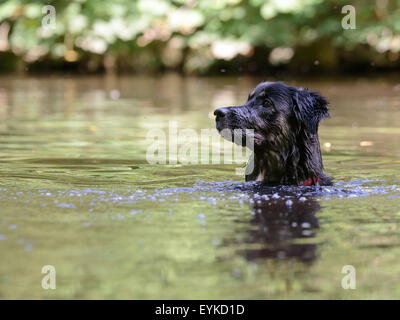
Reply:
x=282, y=121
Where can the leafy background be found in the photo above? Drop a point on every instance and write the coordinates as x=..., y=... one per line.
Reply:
x=200, y=37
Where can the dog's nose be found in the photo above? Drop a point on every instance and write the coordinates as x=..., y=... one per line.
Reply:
x=220, y=112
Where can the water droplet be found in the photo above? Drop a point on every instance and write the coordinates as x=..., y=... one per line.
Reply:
x=289, y=203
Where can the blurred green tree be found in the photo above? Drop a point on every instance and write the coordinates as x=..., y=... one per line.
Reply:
x=198, y=36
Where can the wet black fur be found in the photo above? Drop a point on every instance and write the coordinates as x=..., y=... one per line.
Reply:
x=285, y=121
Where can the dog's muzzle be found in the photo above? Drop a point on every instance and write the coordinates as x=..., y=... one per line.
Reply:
x=220, y=113
x=221, y=118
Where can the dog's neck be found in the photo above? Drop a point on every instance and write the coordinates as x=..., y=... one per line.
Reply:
x=294, y=161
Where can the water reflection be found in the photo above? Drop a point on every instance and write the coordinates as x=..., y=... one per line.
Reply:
x=279, y=222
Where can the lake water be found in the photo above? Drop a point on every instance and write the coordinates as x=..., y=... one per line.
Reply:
x=77, y=193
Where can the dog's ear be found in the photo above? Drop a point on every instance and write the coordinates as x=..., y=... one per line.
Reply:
x=309, y=108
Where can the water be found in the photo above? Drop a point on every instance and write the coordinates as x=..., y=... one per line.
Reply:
x=77, y=193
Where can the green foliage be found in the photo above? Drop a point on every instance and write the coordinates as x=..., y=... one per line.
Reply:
x=194, y=36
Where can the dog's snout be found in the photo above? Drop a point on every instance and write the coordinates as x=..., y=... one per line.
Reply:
x=220, y=112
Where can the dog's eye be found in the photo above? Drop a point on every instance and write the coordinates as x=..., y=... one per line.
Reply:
x=267, y=103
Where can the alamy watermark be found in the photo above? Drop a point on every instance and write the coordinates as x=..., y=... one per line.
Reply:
x=49, y=20
x=349, y=20
x=49, y=280
x=187, y=146
x=349, y=280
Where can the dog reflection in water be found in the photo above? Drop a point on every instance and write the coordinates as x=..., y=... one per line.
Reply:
x=279, y=222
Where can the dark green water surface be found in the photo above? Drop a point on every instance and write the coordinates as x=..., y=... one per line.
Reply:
x=77, y=193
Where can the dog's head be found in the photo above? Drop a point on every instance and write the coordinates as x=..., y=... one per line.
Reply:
x=274, y=111
x=280, y=124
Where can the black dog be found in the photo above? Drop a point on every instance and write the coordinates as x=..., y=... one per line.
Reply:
x=285, y=122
